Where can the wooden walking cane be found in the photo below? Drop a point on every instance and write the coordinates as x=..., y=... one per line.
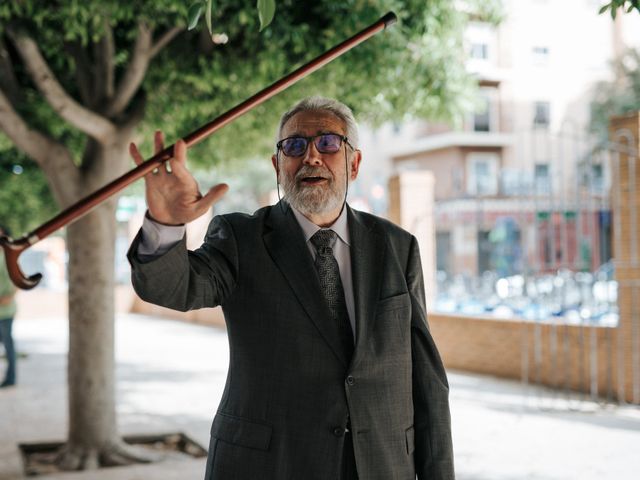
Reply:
x=13, y=248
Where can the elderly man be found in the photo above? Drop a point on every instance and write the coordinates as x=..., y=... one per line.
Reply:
x=333, y=373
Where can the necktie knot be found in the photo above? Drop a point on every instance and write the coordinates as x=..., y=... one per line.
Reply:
x=324, y=240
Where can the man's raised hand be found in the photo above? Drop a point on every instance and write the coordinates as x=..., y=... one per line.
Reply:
x=172, y=194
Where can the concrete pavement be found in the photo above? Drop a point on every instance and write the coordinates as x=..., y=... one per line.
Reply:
x=170, y=376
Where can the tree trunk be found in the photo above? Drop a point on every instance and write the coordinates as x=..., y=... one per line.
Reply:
x=93, y=437
x=92, y=420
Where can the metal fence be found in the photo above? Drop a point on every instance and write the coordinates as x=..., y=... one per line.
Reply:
x=550, y=244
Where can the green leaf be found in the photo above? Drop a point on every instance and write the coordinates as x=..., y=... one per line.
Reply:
x=208, y=16
x=614, y=11
x=266, y=10
x=194, y=13
x=603, y=8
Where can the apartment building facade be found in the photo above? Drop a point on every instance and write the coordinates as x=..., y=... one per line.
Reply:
x=521, y=187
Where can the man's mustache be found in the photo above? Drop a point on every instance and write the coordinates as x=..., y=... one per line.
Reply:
x=307, y=171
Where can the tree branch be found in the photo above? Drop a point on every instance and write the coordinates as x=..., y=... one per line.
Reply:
x=83, y=73
x=33, y=143
x=134, y=75
x=164, y=39
x=8, y=81
x=104, y=54
x=52, y=157
x=134, y=116
x=85, y=120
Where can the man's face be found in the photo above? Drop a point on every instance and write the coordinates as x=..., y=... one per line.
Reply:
x=315, y=183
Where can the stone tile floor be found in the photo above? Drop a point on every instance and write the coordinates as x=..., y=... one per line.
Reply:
x=170, y=376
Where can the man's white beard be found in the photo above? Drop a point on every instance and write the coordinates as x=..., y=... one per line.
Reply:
x=314, y=200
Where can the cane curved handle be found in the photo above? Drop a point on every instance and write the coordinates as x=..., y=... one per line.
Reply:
x=12, y=250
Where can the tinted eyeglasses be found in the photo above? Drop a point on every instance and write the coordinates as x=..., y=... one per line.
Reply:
x=325, y=143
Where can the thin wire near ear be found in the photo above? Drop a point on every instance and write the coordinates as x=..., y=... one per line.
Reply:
x=346, y=178
x=278, y=180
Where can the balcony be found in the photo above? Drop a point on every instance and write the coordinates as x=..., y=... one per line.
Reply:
x=455, y=140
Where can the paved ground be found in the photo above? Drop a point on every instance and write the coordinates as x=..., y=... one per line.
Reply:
x=171, y=376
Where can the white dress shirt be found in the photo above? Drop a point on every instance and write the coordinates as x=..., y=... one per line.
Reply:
x=341, y=252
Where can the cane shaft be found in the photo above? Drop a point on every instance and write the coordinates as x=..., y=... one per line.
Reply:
x=13, y=248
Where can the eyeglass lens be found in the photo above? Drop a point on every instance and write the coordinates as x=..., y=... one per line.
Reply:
x=325, y=143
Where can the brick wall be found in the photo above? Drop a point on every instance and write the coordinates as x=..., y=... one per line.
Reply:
x=562, y=356
x=624, y=132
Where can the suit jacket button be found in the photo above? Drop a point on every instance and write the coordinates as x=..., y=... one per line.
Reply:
x=351, y=381
x=338, y=431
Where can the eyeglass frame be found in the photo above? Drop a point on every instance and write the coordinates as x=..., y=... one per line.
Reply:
x=311, y=139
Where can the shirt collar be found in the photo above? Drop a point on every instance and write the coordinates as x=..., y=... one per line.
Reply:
x=340, y=226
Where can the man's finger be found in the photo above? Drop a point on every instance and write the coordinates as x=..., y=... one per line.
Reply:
x=135, y=154
x=213, y=195
x=180, y=151
x=180, y=171
x=158, y=141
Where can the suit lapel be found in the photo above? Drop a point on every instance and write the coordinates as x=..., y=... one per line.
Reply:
x=285, y=243
x=367, y=255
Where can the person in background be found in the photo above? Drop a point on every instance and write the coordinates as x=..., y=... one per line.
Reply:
x=7, y=312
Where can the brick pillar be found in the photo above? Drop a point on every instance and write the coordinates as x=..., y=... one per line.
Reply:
x=411, y=204
x=624, y=133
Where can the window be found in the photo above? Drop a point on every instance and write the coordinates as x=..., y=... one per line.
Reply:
x=479, y=50
x=540, y=55
x=482, y=174
x=605, y=234
x=541, y=117
x=593, y=176
x=480, y=46
x=597, y=178
x=443, y=251
x=511, y=182
x=542, y=179
x=485, y=118
x=484, y=251
x=481, y=119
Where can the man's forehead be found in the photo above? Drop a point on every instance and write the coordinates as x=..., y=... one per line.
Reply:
x=313, y=123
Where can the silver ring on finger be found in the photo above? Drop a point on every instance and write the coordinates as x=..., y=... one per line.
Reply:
x=167, y=166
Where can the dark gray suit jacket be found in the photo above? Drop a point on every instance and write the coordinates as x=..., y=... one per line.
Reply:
x=290, y=390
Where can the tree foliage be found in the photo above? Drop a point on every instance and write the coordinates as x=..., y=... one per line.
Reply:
x=25, y=199
x=266, y=11
x=619, y=96
x=625, y=5
x=414, y=69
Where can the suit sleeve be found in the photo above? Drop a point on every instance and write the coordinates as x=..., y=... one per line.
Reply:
x=185, y=280
x=432, y=420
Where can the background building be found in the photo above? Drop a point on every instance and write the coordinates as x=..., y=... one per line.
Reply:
x=518, y=188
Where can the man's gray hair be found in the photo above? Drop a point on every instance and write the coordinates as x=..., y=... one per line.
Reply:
x=322, y=104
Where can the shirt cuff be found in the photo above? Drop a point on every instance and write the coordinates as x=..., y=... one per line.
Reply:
x=157, y=239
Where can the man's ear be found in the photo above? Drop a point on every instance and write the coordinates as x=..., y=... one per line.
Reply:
x=355, y=165
x=274, y=162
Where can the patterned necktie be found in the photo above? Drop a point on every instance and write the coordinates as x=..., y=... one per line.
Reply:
x=331, y=285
